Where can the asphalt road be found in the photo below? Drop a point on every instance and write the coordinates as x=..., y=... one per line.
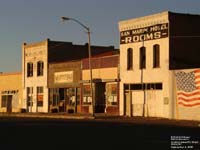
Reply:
x=38, y=133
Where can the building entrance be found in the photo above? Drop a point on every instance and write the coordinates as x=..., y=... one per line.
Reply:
x=65, y=100
x=100, y=99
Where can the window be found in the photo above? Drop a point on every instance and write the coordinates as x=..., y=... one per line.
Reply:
x=78, y=96
x=129, y=59
x=146, y=86
x=6, y=100
x=40, y=96
x=55, y=100
x=29, y=69
x=40, y=68
x=87, y=99
x=29, y=96
x=71, y=96
x=111, y=94
x=143, y=57
x=156, y=56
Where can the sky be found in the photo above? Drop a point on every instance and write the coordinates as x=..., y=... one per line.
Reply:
x=36, y=20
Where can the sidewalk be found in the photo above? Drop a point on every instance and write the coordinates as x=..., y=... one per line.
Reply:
x=107, y=117
x=49, y=115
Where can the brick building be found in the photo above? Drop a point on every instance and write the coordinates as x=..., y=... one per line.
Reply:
x=105, y=74
x=36, y=60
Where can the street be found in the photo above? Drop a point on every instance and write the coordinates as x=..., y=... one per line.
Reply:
x=43, y=133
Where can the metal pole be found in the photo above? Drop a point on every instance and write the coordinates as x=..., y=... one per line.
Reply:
x=89, y=51
x=90, y=68
x=142, y=77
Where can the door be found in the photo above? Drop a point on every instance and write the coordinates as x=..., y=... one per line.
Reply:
x=138, y=103
x=62, y=103
x=127, y=104
x=100, y=98
x=9, y=103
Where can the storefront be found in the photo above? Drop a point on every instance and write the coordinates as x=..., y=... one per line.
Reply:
x=36, y=79
x=10, y=92
x=64, y=88
x=105, y=73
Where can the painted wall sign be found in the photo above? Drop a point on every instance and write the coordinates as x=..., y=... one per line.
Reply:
x=144, y=34
x=63, y=77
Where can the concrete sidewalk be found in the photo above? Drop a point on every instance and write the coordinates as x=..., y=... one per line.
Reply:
x=49, y=115
x=107, y=117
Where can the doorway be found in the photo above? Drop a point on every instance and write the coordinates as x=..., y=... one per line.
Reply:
x=9, y=103
x=100, y=99
x=127, y=104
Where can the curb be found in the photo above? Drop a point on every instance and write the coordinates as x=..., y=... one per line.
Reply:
x=61, y=116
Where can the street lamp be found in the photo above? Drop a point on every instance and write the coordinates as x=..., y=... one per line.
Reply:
x=89, y=52
x=143, y=61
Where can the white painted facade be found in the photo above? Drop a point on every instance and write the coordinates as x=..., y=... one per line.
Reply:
x=159, y=103
x=35, y=52
x=137, y=97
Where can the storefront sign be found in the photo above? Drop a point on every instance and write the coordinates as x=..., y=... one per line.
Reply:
x=144, y=34
x=63, y=77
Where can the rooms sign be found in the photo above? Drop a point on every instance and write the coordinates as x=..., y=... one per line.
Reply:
x=143, y=34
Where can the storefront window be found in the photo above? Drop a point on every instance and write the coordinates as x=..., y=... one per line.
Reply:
x=40, y=96
x=71, y=96
x=29, y=96
x=4, y=101
x=54, y=96
x=111, y=94
x=87, y=99
x=78, y=96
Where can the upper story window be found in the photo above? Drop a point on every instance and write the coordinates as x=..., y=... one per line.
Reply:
x=130, y=59
x=156, y=56
x=40, y=68
x=142, y=57
x=29, y=69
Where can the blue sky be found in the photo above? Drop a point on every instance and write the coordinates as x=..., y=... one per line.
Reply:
x=35, y=20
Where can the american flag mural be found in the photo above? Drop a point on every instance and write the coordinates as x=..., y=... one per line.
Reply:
x=188, y=87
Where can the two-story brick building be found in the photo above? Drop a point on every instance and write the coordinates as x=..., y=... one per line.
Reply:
x=38, y=58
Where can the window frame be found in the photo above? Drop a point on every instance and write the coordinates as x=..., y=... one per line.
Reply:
x=40, y=94
x=129, y=59
x=142, y=60
x=156, y=56
x=40, y=68
x=111, y=94
x=29, y=69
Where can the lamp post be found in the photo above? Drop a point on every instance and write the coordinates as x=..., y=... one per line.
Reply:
x=142, y=74
x=89, y=52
